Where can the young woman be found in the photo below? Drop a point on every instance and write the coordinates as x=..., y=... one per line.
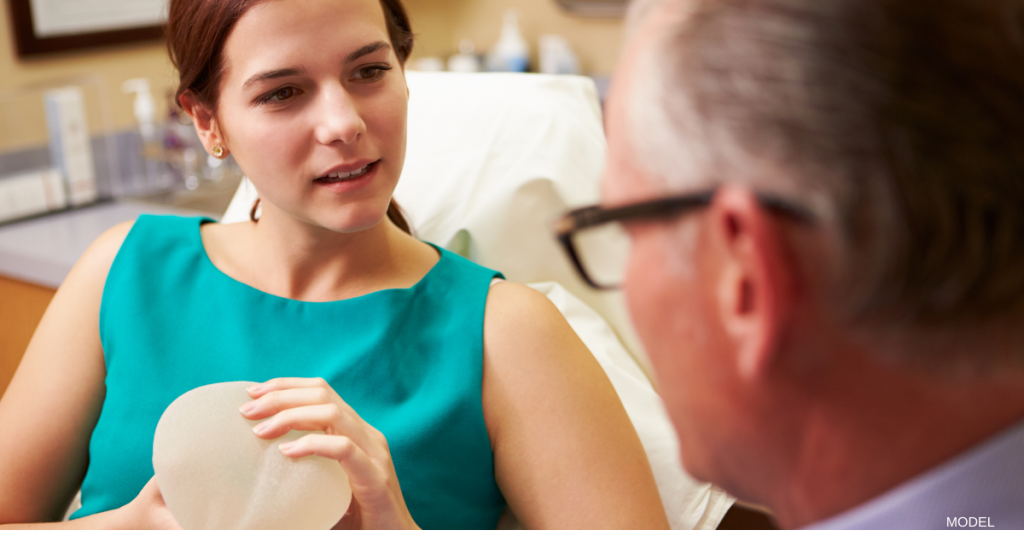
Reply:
x=442, y=395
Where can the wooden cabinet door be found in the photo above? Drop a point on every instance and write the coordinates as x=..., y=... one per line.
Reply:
x=21, y=308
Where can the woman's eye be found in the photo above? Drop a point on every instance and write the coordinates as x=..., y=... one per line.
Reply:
x=283, y=94
x=371, y=73
x=280, y=95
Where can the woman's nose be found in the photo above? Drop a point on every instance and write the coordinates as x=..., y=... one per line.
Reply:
x=338, y=118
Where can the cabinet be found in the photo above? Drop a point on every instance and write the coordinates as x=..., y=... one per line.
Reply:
x=21, y=308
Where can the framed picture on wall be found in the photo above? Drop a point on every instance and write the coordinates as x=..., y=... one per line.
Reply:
x=595, y=8
x=47, y=26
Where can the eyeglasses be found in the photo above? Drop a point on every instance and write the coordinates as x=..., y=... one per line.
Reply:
x=598, y=246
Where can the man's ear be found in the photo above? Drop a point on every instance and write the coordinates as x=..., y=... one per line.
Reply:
x=754, y=285
x=204, y=121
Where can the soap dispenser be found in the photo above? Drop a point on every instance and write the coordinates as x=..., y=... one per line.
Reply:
x=510, y=53
x=145, y=108
x=152, y=150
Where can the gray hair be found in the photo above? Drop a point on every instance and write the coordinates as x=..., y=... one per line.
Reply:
x=899, y=123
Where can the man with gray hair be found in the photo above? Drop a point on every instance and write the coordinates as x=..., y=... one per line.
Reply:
x=824, y=201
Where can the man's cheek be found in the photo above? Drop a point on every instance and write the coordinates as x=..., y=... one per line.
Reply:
x=644, y=297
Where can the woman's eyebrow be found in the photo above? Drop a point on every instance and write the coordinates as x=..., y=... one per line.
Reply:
x=270, y=75
x=367, y=49
x=296, y=71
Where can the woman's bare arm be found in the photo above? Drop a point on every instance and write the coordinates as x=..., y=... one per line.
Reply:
x=566, y=454
x=51, y=406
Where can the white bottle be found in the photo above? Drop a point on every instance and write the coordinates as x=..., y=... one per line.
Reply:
x=152, y=151
x=510, y=53
x=556, y=56
x=145, y=108
x=466, y=60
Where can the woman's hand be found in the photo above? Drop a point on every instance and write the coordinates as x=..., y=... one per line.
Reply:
x=310, y=404
x=147, y=511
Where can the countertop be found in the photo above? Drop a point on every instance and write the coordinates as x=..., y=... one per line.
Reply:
x=43, y=250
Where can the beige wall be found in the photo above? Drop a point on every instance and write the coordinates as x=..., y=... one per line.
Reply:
x=439, y=24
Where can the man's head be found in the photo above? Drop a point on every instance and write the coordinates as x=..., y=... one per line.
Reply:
x=898, y=124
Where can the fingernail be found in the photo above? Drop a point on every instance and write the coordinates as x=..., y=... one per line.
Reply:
x=261, y=427
x=254, y=388
x=287, y=447
x=248, y=407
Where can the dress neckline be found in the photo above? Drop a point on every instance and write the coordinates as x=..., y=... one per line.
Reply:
x=208, y=263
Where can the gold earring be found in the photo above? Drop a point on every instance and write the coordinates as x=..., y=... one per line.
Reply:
x=218, y=151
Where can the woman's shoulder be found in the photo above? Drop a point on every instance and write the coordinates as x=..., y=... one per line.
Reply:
x=516, y=312
x=511, y=302
x=100, y=255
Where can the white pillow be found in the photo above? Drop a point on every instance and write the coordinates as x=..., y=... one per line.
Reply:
x=492, y=160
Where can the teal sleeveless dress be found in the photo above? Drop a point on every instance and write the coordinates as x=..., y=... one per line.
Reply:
x=409, y=361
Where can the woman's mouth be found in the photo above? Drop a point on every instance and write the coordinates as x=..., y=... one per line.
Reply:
x=350, y=181
x=352, y=175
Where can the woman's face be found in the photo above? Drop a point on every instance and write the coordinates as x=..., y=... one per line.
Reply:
x=312, y=92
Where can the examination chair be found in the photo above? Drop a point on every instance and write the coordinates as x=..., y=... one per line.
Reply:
x=492, y=160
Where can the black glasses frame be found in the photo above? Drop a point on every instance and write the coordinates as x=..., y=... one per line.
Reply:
x=592, y=216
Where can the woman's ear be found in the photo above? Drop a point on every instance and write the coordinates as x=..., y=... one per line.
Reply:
x=204, y=120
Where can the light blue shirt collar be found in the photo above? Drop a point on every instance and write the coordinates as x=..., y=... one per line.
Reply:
x=981, y=488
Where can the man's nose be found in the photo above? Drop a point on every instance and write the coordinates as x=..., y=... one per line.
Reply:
x=337, y=118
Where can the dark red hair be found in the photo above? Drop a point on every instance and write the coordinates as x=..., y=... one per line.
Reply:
x=198, y=29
